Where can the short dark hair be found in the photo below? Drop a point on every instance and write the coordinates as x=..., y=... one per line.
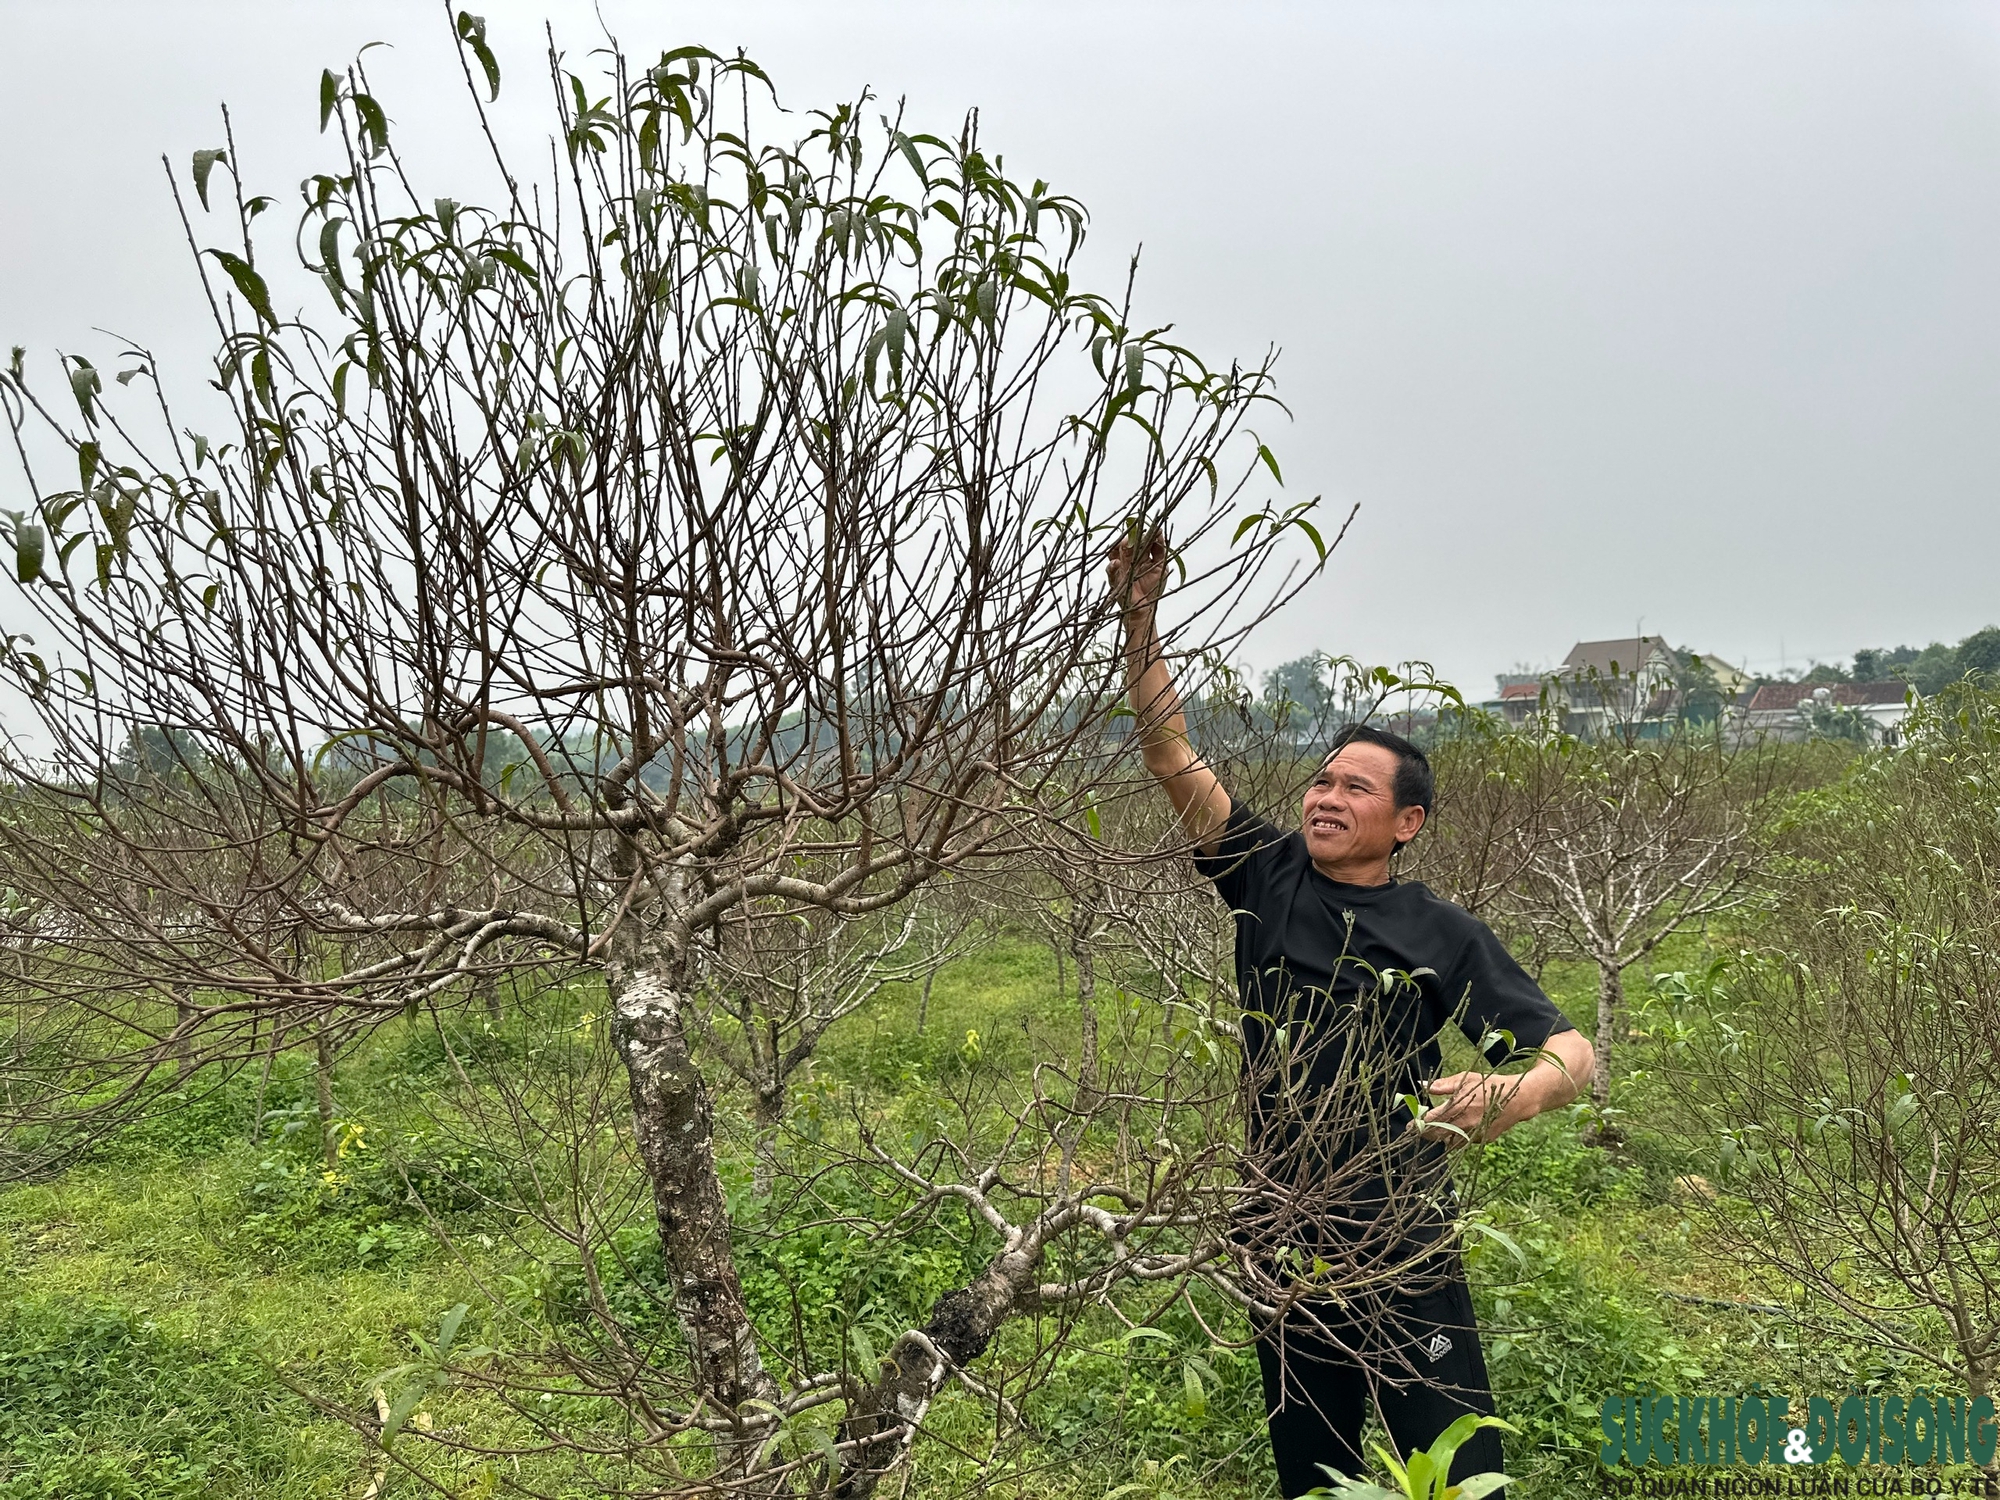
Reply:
x=1414, y=785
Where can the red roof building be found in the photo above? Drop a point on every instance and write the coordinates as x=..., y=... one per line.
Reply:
x=1785, y=710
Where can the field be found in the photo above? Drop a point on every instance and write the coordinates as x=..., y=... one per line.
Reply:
x=181, y=1312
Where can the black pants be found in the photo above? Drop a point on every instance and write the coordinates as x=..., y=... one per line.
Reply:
x=1420, y=1363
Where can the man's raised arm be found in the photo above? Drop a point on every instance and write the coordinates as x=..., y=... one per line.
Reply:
x=1190, y=785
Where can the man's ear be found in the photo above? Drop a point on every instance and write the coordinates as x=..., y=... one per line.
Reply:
x=1409, y=821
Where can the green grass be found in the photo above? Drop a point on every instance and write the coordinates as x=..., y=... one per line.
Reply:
x=140, y=1350
x=176, y=1310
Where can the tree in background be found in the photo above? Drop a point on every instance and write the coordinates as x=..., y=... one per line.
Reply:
x=1979, y=653
x=706, y=533
x=1929, y=670
x=1496, y=795
x=1634, y=840
x=779, y=976
x=1702, y=699
x=1844, y=1075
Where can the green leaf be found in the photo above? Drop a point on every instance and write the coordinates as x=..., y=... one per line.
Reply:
x=1478, y=1486
x=85, y=385
x=117, y=508
x=1248, y=523
x=401, y=1411
x=512, y=259
x=374, y=125
x=864, y=1349
x=868, y=355
x=448, y=1329
x=88, y=456
x=248, y=282
x=823, y=1440
x=1452, y=1439
x=1344, y=1488
x=1312, y=531
x=204, y=163
x=898, y=329
x=1501, y=1238
x=1395, y=1467
x=1094, y=823
x=472, y=31
x=329, y=247
x=1194, y=1395
x=29, y=544
x=329, y=96
x=1270, y=462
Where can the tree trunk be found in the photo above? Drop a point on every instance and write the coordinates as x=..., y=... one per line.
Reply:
x=323, y=1088
x=884, y=1421
x=183, y=1048
x=767, y=1110
x=1610, y=1008
x=1082, y=920
x=264, y=1088
x=674, y=1125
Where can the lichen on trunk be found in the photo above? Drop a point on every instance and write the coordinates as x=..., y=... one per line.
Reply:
x=882, y=1425
x=1610, y=1005
x=674, y=1127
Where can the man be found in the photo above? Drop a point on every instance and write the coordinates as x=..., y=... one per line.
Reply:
x=1333, y=948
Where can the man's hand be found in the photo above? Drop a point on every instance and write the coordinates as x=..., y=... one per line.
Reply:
x=1485, y=1106
x=1138, y=577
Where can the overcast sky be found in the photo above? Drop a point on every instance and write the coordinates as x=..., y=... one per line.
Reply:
x=1607, y=313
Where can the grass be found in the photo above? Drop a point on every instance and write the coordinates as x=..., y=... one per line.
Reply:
x=168, y=1305
x=139, y=1351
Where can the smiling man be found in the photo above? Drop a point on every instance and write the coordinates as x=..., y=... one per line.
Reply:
x=1346, y=973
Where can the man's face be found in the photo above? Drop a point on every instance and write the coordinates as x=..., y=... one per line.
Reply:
x=1350, y=813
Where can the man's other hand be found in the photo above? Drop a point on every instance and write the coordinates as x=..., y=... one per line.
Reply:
x=1485, y=1106
x=1475, y=1106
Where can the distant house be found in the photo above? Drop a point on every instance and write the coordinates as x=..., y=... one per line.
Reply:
x=1785, y=710
x=1631, y=681
x=1627, y=657
x=1519, y=697
x=1621, y=681
x=1732, y=680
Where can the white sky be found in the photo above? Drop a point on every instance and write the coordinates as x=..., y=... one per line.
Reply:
x=1606, y=312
